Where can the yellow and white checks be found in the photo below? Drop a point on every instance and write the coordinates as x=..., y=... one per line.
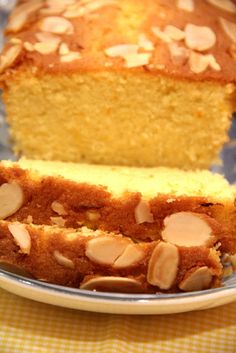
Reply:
x=31, y=327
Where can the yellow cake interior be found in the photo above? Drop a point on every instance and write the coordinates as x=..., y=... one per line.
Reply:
x=118, y=118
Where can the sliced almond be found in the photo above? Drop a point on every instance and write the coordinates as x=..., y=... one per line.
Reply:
x=50, y=38
x=163, y=265
x=105, y=250
x=136, y=60
x=226, y=5
x=145, y=43
x=59, y=221
x=179, y=56
x=28, y=46
x=132, y=255
x=199, y=63
x=161, y=35
x=58, y=208
x=121, y=50
x=199, y=38
x=63, y=260
x=174, y=32
x=74, y=11
x=11, y=199
x=15, y=40
x=143, y=213
x=93, y=216
x=113, y=284
x=98, y=4
x=45, y=48
x=186, y=5
x=198, y=280
x=21, y=13
x=64, y=49
x=56, y=25
x=71, y=56
x=9, y=57
x=21, y=237
x=229, y=28
x=187, y=229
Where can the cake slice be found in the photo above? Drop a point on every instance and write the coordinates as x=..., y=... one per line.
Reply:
x=145, y=204
x=98, y=260
x=125, y=82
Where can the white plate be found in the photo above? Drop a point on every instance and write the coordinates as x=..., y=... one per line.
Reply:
x=118, y=303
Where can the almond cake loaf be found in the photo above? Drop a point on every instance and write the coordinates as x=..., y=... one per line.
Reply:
x=125, y=82
x=97, y=260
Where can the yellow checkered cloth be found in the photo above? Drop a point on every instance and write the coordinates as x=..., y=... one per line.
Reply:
x=31, y=327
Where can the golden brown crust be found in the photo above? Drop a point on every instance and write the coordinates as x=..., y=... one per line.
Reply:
x=42, y=264
x=93, y=206
x=122, y=22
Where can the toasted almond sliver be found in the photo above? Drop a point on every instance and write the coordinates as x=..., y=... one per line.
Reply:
x=136, y=60
x=28, y=46
x=145, y=43
x=21, y=13
x=11, y=199
x=179, y=56
x=21, y=236
x=226, y=5
x=198, y=280
x=48, y=38
x=161, y=35
x=105, y=250
x=113, y=284
x=187, y=229
x=64, y=49
x=58, y=208
x=56, y=25
x=71, y=56
x=63, y=260
x=229, y=28
x=199, y=63
x=132, y=255
x=121, y=50
x=199, y=38
x=9, y=57
x=45, y=48
x=186, y=5
x=163, y=265
x=59, y=221
x=143, y=213
x=174, y=32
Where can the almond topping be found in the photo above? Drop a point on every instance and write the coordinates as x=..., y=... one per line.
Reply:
x=21, y=237
x=135, y=60
x=187, y=229
x=28, y=46
x=199, y=63
x=143, y=213
x=199, y=37
x=9, y=57
x=145, y=43
x=62, y=260
x=64, y=50
x=58, y=208
x=11, y=199
x=113, y=284
x=186, y=5
x=50, y=38
x=179, y=56
x=121, y=50
x=45, y=48
x=72, y=56
x=97, y=4
x=161, y=35
x=59, y=221
x=105, y=250
x=56, y=25
x=226, y=5
x=229, y=28
x=21, y=13
x=174, y=32
x=198, y=280
x=163, y=265
x=92, y=216
x=132, y=255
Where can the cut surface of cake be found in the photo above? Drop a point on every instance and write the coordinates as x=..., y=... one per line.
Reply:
x=126, y=82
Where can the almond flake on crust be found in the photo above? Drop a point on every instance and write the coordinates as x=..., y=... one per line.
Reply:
x=199, y=38
x=226, y=5
x=45, y=48
x=56, y=25
x=28, y=46
x=135, y=60
x=48, y=38
x=71, y=56
x=121, y=50
x=9, y=56
x=145, y=43
x=174, y=32
x=179, y=56
x=199, y=62
x=161, y=35
x=186, y=5
x=229, y=28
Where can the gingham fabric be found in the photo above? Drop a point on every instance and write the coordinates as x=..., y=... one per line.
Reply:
x=31, y=327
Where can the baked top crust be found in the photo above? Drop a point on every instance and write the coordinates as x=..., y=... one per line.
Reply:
x=187, y=39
